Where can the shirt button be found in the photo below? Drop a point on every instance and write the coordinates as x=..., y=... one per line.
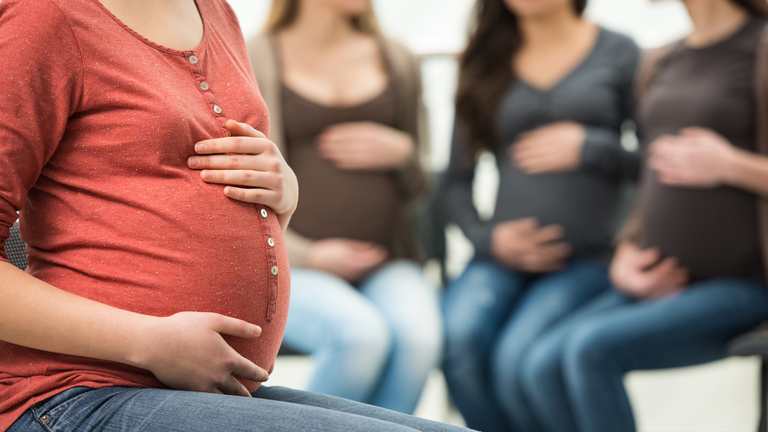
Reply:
x=274, y=270
x=263, y=213
x=193, y=59
x=271, y=242
x=217, y=109
x=204, y=85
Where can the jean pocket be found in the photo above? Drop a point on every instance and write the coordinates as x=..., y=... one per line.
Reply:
x=52, y=410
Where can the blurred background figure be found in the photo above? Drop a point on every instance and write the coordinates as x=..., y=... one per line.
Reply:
x=689, y=274
x=345, y=107
x=547, y=92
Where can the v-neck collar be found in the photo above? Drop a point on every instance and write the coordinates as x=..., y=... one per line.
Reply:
x=572, y=72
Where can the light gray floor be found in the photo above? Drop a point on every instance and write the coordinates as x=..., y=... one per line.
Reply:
x=719, y=397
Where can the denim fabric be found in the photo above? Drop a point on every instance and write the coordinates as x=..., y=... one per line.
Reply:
x=574, y=375
x=273, y=409
x=492, y=316
x=375, y=343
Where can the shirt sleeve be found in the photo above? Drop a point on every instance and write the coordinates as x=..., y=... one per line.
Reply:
x=602, y=152
x=41, y=85
x=458, y=194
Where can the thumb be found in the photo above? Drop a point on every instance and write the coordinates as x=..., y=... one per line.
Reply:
x=243, y=129
x=646, y=258
x=236, y=327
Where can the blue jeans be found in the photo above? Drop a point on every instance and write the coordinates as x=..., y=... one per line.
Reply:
x=492, y=316
x=375, y=343
x=273, y=409
x=574, y=376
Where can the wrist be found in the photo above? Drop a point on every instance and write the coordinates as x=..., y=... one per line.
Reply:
x=140, y=345
x=407, y=147
x=732, y=166
x=314, y=257
x=284, y=219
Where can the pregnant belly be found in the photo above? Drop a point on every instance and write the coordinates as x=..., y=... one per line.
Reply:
x=712, y=232
x=586, y=206
x=190, y=250
x=349, y=204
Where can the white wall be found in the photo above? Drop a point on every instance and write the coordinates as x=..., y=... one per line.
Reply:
x=441, y=25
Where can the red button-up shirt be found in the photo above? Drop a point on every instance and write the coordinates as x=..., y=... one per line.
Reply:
x=96, y=125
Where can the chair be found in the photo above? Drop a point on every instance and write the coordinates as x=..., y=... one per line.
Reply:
x=16, y=248
x=756, y=344
x=429, y=223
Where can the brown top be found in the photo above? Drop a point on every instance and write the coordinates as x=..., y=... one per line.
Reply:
x=713, y=232
x=411, y=118
x=359, y=205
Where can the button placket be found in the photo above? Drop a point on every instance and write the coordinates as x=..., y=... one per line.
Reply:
x=274, y=292
x=207, y=92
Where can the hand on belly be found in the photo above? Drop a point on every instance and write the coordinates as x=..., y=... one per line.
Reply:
x=523, y=245
x=696, y=158
x=251, y=166
x=186, y=351
x=640, y=273
x=348, y=259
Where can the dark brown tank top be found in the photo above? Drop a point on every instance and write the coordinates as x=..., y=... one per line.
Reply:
x=359, y=205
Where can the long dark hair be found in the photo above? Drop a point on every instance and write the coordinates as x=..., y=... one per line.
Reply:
x=485, y=68
x=754, y=7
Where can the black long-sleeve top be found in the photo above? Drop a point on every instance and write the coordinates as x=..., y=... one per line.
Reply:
x=597, y=94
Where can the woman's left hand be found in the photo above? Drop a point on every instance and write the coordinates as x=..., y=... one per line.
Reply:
x=555, y=147
x=252, y=168
x=697, y=158
x=365, y=146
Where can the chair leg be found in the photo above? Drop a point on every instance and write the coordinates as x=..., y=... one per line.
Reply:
x=763, y=427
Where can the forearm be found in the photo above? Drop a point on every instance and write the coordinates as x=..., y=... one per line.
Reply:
x=748, y=171
x=459, y=208
x=37, y=315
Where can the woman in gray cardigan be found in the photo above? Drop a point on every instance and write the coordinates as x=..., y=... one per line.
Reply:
x=346, y=112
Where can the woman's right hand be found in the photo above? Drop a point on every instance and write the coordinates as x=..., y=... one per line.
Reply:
x=186, y=351
x=552, y=148
x=639, y=273
x=348, y=259
x=523, y=245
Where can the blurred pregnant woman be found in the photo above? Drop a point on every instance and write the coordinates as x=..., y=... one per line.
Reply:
x=346, y=112
x=689, y=274
x=547, y=92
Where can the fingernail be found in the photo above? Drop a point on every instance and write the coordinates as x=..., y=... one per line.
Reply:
x=204, y=175
x=193, y=162
x=200, y=147
x=256, y=330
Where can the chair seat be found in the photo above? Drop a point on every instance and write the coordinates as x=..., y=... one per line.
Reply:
x=750, y=344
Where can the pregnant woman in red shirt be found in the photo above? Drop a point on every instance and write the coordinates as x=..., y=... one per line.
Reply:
x=158, y=285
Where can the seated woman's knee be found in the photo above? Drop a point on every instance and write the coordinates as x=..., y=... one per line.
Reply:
x=367, y=334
